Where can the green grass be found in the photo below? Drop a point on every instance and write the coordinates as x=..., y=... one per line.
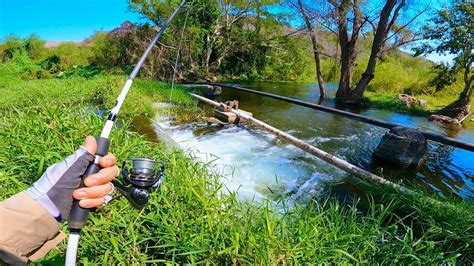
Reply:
x=389, y=101
x=191, y=220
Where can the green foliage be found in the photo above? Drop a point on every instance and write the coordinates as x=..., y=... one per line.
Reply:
x=13, y=46
x=445, y=76
x=399, y=73
x=30, y=59
x=221, y=39
x=389, y=101
x=71, y=55
x=34, y=46
x=451, y=32
x=106, y=52
x=439, y=220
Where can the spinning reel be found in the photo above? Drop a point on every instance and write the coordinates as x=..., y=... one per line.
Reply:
x=140, y=180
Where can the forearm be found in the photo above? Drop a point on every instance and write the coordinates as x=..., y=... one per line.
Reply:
x=27, y=230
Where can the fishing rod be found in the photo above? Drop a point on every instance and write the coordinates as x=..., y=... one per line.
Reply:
x=142, y=168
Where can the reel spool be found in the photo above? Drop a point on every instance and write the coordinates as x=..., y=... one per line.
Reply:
x=140, y=180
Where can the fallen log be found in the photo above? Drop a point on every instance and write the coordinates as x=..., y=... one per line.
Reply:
x=329, y=158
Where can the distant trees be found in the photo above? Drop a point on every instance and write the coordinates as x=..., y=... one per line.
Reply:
x=238, y=36
x=452, y=32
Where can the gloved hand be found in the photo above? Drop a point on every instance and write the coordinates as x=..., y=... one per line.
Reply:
x=60, y=182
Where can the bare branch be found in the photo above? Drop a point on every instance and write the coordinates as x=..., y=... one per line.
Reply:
x=407, y=24
x=333, y=2
x=329, y=55
x=395, y=15
x=398, y=44
x=329, y=28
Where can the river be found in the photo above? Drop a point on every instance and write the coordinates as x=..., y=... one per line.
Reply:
x=256, y=164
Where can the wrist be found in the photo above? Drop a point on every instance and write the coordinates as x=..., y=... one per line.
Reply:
x=45, y=202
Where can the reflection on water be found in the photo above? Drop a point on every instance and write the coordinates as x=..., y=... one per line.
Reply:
x=255, y=163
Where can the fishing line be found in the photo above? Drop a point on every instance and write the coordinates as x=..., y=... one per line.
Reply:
x=178, y=51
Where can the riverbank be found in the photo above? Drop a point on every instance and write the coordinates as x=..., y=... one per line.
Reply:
x=383, y=99
x=191, y=220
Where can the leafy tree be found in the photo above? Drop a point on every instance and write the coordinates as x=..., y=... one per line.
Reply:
x=452, y=32
x=444, y=76
x=349, y=20
x=237, y=38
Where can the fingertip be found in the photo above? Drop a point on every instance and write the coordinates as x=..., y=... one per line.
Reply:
x=90, y=181
x=108, y=160
x=79, y=194
x=91, y=203
x=90, y=144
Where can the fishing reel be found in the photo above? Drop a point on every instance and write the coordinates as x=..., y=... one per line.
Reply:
x=140, y=180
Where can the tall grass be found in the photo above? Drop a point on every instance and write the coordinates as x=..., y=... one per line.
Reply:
x=191, y=219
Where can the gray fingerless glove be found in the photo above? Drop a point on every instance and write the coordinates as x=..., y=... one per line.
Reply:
x=55, y=187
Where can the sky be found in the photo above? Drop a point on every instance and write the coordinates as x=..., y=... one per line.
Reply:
x=62, y=20
x=75, y=20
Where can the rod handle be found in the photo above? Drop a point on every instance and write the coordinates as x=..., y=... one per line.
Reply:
x=78, y=215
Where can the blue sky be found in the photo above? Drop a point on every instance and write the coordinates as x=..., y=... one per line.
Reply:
x=69, y=20
x=62, y=20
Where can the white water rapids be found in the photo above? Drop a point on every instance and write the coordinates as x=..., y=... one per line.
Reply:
x=251, y=162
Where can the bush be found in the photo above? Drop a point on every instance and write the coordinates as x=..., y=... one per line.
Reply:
x=399, y=73
x=12, y=45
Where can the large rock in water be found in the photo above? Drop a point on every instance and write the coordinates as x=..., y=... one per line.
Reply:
x=402, y=146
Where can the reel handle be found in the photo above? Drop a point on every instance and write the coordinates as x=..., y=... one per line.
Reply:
x=78, y=215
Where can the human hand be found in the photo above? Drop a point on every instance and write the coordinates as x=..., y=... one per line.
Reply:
x=60, y=182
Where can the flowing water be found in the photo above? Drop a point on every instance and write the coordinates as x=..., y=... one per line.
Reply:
x=256, y=164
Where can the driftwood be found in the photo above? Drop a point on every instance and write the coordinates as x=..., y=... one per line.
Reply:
x=329, y=158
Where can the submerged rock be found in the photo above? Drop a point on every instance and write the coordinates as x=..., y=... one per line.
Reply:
x=213, y=90
x=402, y=146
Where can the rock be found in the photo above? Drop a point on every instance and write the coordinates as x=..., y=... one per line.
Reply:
x=407, y=99
x=411, y=101
x=213, y=90
x=213, y=120
x=402, y=146
x=124, y=29
x=444, y=120
x=423, y=103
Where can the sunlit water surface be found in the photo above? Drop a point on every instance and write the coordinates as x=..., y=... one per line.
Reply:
x=256, y=164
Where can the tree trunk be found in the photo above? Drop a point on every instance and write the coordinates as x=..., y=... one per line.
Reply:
x=467, y=92
x=380, y=35
x=348, y=56
x=347, y=45
x=314, y=41
x=461, y=108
